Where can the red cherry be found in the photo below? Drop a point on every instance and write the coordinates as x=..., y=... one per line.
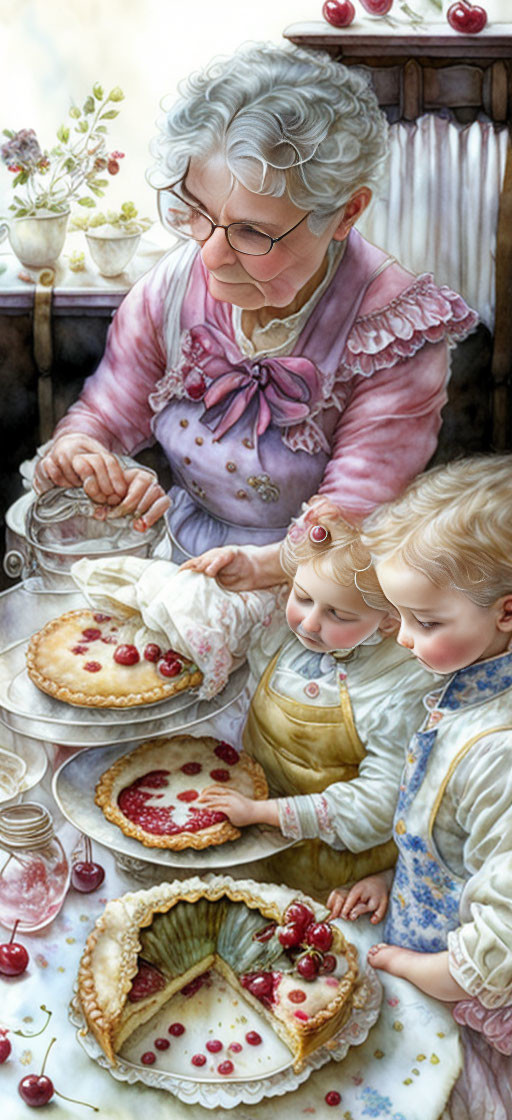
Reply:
x=340, y=13
x=92, y=666
x=171, y=655
x=5, y=1047
x=290, y=935
x=187, y=795
x=86, y=875
x=253, y=1038
x=169, y=668
x=152, y=652
x=266, y=933
x=146, y=982
x=227, y=753
x=36, y=1089
x=91, y=634
x=297, y=995
x=300, y=914
x=191, y=768
x=162, y=1043
x=126, y=655
x=112, y=166
x=377, y=7
x=220, y=775
x=214, y=1045
x=467, y=18
x=198, y=1059
x=148, y=1058
x=308, y=966
x=333, y=1097
x=319, y=935
x=13, y=956
x=329, y=962
x=225, y=1067
x=261, y=984
x=236, y=1047
x=176, y=1029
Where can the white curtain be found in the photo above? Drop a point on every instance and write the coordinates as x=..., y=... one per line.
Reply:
x=440, y=209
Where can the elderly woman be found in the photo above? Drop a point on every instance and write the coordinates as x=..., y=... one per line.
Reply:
x=276, y=354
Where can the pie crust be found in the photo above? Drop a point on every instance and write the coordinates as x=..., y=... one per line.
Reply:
x=168, y=756
x=150, y=929
x=58, y=657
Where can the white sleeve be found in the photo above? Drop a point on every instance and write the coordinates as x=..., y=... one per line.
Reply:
x=480, y=950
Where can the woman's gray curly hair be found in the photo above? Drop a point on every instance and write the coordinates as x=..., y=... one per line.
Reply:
x=288, y=121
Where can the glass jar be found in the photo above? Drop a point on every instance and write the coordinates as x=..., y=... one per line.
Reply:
x=34, y=871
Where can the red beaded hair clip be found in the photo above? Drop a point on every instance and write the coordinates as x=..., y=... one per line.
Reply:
x=319, y=535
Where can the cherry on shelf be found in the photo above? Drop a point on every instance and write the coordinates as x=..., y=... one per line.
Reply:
x=467, y=18
x=87, y=876
x=5, y=1046
x=13, y=956
x=377, y=7
x=36, y=1089
x=339, y=13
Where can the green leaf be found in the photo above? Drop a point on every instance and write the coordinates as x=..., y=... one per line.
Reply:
x=101, y=182
x=96, y=190
x=82, y=126
x=8, y=132
x=70, y=163
x=86, y=201
x=75, y=112
x=63, y=134
x=109, y=115
x=97, y=90
x=20, y=178
x=101, y=128
x=116, y=94
x=89, y=105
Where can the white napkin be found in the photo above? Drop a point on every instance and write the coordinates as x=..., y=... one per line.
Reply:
x=185, y=610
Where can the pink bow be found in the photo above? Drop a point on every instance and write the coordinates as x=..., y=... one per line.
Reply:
x=285, y=389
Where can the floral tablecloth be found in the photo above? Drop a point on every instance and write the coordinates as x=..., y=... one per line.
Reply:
x=404, y=1070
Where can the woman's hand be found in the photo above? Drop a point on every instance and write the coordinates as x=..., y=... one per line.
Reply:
x=143, y=497
x=62, y=465
x=239, y=809
x=369, y=895
x=237, y=570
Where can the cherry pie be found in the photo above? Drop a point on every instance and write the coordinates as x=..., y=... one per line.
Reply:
x=92, y=660
x=151, y=793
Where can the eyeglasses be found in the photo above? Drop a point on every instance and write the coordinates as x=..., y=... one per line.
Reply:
x=188, y=221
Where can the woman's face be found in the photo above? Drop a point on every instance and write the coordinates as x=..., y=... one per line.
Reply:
x=268, y=281
x=327, y=616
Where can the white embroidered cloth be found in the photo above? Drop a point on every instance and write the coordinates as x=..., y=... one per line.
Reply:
x=185, y=610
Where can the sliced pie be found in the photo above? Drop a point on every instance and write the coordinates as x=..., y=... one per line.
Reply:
x=149, y=945
x=151, y=792
x=95, y=660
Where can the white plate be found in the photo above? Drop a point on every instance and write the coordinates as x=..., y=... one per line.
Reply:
x=73, y=789
x=212, y=1090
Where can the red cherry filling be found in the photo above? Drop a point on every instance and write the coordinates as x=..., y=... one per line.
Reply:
x=152, y=652
x=145, y=983
x=187, y=795
x=91, y=634
x=193, y=986
x=5, y=1047
x=191, y=768
x=225, y=1067
x=253, y=1038
x=176, y=1029
x=260, y=984
x=333, y=1097
x=102, y=617
x=227, y=753
x=236, y=1047
x=198, y=1059
x=79, y=649
x=214, y=1045
x=161, y=1043
x=159, y=821
x=148, y=1058
x=126, y=655
x=220, y=775
x=301, y=1015
x=92, y=666
x=297, y=995
x=169, y=668
x=266, y=933
x=329, y=962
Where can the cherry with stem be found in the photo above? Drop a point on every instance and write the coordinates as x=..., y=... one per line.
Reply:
x=37, y=1089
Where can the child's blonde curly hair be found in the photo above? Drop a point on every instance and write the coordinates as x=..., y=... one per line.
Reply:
x=453, y=524
x=343, y=558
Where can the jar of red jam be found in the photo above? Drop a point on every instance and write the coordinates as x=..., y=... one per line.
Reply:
x=34, y=871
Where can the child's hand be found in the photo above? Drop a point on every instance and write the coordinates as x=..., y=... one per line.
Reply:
x=369, y=895
x=237, y=570
x=239, y=809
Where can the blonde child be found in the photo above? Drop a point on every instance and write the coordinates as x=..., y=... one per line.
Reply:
x=443, y=555
x=331, y=715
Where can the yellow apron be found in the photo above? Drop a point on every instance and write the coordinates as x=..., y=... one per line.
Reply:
x=304, y=749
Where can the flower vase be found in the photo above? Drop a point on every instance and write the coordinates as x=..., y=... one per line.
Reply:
x=39, y=240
